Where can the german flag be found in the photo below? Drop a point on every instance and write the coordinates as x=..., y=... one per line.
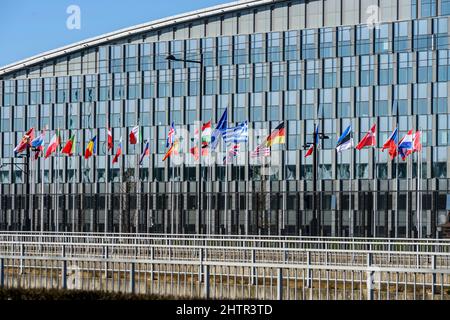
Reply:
x=278, y=136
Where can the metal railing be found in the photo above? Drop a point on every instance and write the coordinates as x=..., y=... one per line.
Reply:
x=227, y=267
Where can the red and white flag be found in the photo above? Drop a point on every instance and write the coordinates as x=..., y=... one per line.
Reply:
x=110, y=140
x=134, y=135
x=369, y=140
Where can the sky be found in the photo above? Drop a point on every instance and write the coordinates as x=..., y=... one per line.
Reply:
x=30, y=27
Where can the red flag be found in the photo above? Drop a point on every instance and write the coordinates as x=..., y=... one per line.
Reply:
x=310, y=151
x=110, y=140
x=194, y=151
x=369, y=140
x=417, y=144
x=119, y=152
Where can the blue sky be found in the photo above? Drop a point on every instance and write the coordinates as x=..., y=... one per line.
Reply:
x=30, y=27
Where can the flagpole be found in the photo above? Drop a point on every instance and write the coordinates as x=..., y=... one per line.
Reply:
x=350, y=215
x=42, y=192
x=57, y=183
x=107, y=180
x=375, y=190
x=418, y=196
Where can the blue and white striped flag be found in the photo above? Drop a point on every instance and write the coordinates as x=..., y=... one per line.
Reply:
x=237, y=134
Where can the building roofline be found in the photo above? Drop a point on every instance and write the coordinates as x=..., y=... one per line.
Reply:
x=137, y=29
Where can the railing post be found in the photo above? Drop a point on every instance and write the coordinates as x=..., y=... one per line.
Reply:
x=22, y=250
x=64, y=269
x=2, y=272
x=308, y=270
x=279, y=284
x=433, y=276
x=206, y=280
x=370, y=277
x=201, y=265
x=105, y=256
x=132, y=278
x=253, y=275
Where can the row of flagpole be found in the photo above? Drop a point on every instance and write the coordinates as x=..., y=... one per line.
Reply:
x=232, y=136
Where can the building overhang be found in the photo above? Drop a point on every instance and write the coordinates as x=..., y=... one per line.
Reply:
x=132, y=31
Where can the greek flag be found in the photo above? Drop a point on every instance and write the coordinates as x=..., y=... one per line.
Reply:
x=237, y=134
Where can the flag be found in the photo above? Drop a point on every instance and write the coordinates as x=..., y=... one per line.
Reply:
x=110, y=140
x=69, y=148
x=134, y=135
x=369, y=140
x=91, y=148
x=206, y=139
x=405, y=147
x=391, y=144
x=38, y=152
x=232, y=152
x=194, y=151
x=146, y=152
x=417, y=142
x=53, y=146
x=345, y=141
x=38, y=144
x=277, y=136
x=25, y=142
x=171, y=136
x=119, y=152
x=39, y=141
x=237, y=134
x=222, y=125
x=260, y=151
x=316, y=141
x=173, y=150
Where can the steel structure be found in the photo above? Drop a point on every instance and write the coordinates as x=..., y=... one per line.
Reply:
x=221, y=267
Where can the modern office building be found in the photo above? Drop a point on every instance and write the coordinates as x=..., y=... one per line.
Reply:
x=304, y=62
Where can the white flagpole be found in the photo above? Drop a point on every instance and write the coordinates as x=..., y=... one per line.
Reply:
x=42, y=192
x=226, y=192
x=74, y=192
x=350, y=195
x=57, y=185
x=106, y=181
x=375, y=190
x=418, y=206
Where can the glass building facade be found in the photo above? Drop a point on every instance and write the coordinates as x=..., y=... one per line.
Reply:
x=302, y=62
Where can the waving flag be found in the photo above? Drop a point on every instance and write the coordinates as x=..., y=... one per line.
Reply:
x=277, y=136
x=119, y=152
x=146, y=152
x=173, y=150
x=222, y=125
x=69, y=148
x=405, y=147
x=232, y=153
x=237, y=134
x=39, y=141
x=316, y=141
x=171, y=135
x=54, y=144
x=110, y=140
x=134, y=135
x=91, y=148
x=391, y=144
x=417, y=143
x=369, y=140
x=25, y=142
x=345, y=141
x=38, y=144
x=260, y=151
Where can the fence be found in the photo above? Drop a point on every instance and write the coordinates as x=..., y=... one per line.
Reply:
x=227, y=267
x=248, y=213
